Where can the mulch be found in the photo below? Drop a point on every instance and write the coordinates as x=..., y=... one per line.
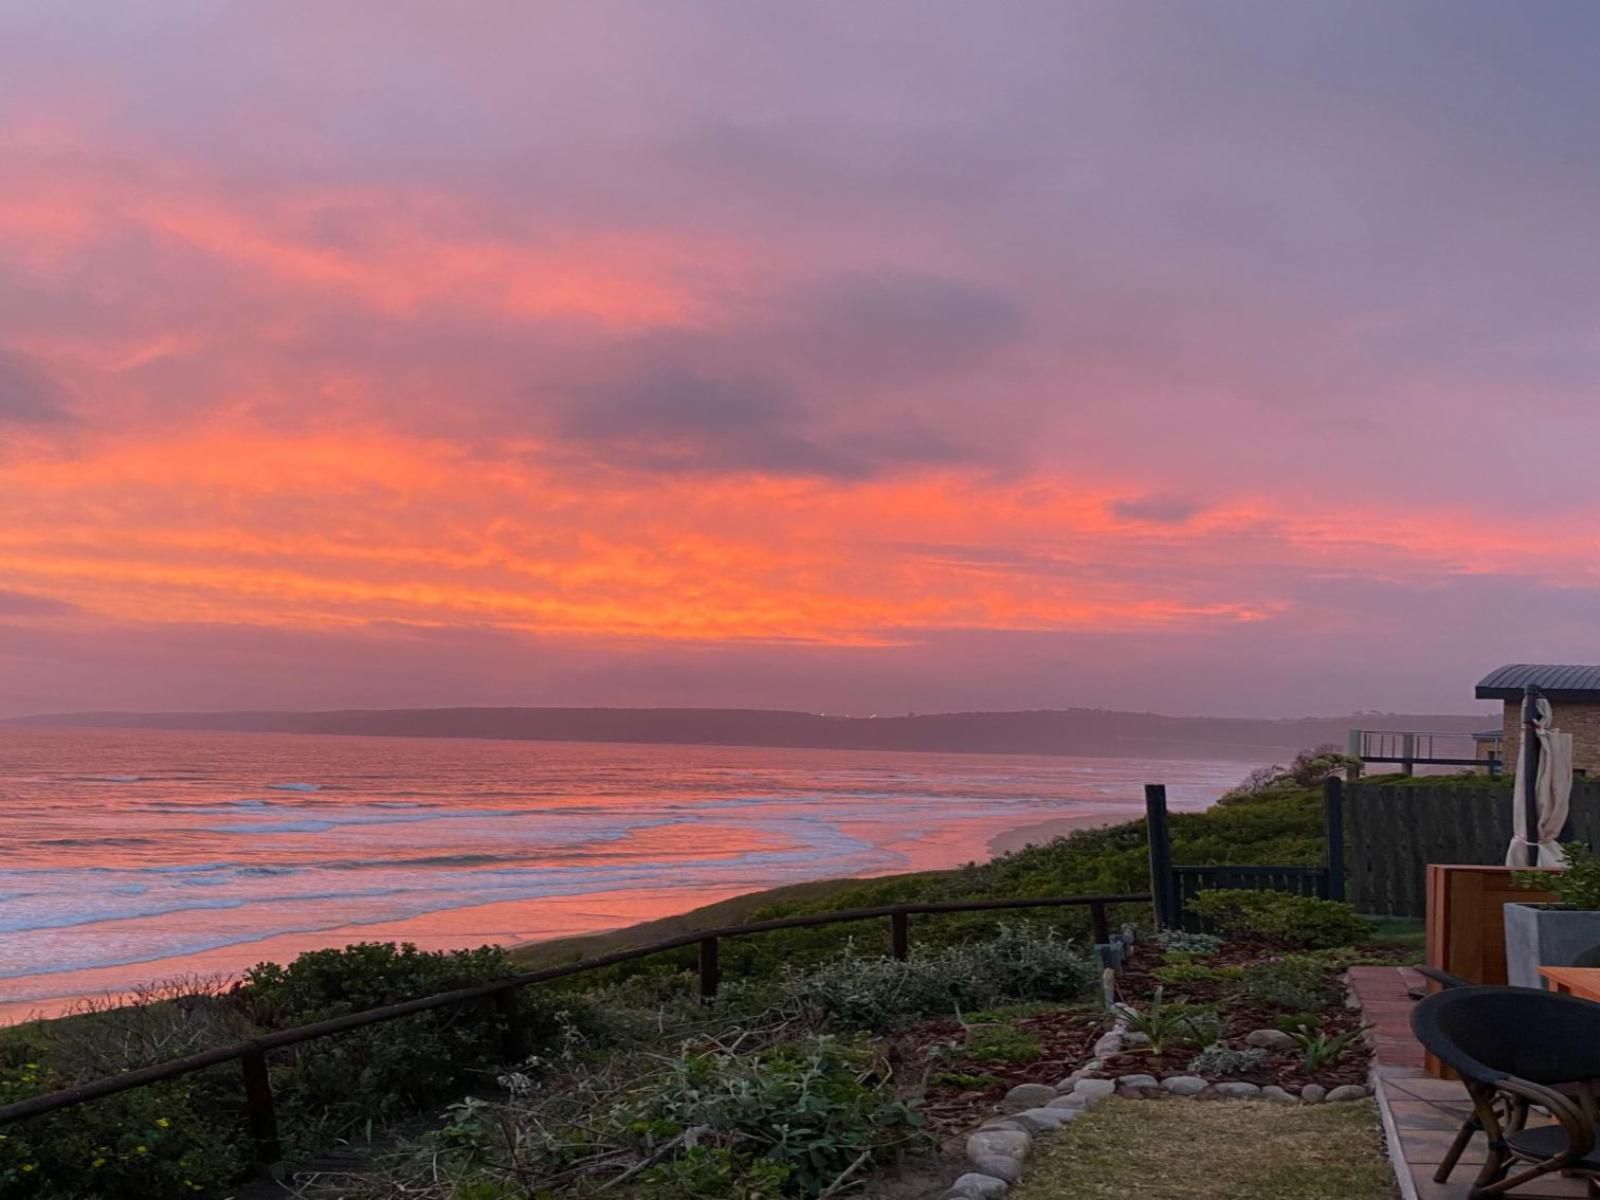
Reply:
x=1067, y=1038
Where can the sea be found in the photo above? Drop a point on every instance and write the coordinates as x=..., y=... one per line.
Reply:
x=131, y=857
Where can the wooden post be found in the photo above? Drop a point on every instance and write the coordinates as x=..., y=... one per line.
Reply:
x=1353, y=747
x=263, y=1117
x=1097, y=922
x=505, y=1004
x=1333, y=831
x=1530, y=770
x=710, y=971
x=1162, y=891
x=900, y=935
x=1408, y=753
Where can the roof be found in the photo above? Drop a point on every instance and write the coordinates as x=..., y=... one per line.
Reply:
x=1555, y=681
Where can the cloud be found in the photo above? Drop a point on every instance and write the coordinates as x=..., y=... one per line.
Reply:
x=27, y=395
x=1158, y=508
x=30, y=604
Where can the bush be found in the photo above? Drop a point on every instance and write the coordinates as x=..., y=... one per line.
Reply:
x=1302, y=921
x=1177, y=941
x=1577, y=886
x=877, y=994
x=802, y=1111
x=1221, y=1060
x=155, y=1143
x=1294, y=984
x=328, y=1087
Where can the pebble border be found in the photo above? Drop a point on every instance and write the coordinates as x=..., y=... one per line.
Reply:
x=996, y=1150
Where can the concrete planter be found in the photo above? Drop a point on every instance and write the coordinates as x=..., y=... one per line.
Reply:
x=1542, y=935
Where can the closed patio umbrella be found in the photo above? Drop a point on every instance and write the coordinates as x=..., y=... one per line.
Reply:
x=1552, y=791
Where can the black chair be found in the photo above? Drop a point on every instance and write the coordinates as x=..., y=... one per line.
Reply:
x=1513, y=1048
x=1471, y=1125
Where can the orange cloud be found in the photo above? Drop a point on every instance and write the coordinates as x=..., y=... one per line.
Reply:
x=250, y=526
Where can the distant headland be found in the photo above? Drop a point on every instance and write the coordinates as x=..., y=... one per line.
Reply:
x=1070, y=731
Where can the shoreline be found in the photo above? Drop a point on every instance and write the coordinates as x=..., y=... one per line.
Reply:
x=1019, y=837
x=580, y=924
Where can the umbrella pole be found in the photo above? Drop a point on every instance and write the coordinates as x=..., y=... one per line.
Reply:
x=1530, y=771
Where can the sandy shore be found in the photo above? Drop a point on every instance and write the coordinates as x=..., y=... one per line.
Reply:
x=1042, y=831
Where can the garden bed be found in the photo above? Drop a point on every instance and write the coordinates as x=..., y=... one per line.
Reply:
x=1246, y=986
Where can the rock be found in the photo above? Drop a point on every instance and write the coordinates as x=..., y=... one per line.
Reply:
x=1072, y=1103
x=1236, y=1090
x=979, y=1187
x=1278, y=1096
x=1136, y=1039
x=1005, y=1143
x=1184, y=1085
x=1028, y=1095
x=1107, y=1045
x=999, y=1166
x=1269, y=1039
x=1005, y=1123
x=1135, y=1085
x=1095, y=1090
x=1313, y=1093
x=1350, y=1091
x=1043, y=1120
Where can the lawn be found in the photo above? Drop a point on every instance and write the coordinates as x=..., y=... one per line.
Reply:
x=1213, y=1150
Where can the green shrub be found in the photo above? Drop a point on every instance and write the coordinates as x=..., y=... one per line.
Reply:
x=802, y=1111
x=1293, y=1022
x=327, y=1087
x=1318, y=1050
x=1178, y=941
x=1302, y=921
x=162, y=1142
x=877, y=994
x=1577, y=886
x=1221, y=1060
x=1293, y=983
x=999, y=1043
x=1165, y=1025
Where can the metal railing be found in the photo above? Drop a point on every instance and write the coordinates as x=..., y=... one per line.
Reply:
x=1410, y=748
x=251, y=1056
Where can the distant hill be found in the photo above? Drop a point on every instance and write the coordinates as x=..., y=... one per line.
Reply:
x=1076, y=731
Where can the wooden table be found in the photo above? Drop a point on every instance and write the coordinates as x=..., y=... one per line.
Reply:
x=1583, y=982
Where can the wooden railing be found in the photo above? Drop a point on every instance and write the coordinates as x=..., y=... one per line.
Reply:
x=252, y=1055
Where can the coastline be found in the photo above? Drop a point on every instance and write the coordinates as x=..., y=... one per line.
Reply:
x=1021, y=836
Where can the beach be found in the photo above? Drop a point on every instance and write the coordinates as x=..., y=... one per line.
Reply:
x=162, y=854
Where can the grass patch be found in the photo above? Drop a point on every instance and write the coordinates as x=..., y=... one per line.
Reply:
x=1223, y=1150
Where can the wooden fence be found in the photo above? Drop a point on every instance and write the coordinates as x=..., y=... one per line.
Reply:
x=252, y=1056
x=1173, y=885
x=1393, y=831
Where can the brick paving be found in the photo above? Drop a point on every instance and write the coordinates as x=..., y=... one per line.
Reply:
x=1421, y=1115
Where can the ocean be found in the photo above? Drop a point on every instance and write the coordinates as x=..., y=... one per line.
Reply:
x=128, y=857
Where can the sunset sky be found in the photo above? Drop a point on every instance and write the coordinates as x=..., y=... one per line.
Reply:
x=1230, y=357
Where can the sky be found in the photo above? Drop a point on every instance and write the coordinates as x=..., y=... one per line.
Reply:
x=1236, y=358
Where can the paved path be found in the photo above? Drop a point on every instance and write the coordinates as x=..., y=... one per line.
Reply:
x=1421, y=1115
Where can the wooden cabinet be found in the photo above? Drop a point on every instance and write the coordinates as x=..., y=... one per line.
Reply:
x=1466, y=923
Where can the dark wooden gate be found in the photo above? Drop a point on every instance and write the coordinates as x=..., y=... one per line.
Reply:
x=1172, y=886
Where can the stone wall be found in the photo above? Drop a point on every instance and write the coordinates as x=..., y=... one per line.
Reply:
x=1582, y=721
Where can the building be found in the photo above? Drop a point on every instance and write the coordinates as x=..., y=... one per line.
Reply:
x=1574, y=695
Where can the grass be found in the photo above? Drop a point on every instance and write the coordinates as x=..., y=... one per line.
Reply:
x=1198, y=1150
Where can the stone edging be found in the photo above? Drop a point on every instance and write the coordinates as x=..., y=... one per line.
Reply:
x=997, y=1149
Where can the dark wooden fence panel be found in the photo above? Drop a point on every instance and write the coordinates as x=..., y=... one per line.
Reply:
x=1392, y=832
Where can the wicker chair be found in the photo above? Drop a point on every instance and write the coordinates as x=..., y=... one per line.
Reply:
x=1513, y=1048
